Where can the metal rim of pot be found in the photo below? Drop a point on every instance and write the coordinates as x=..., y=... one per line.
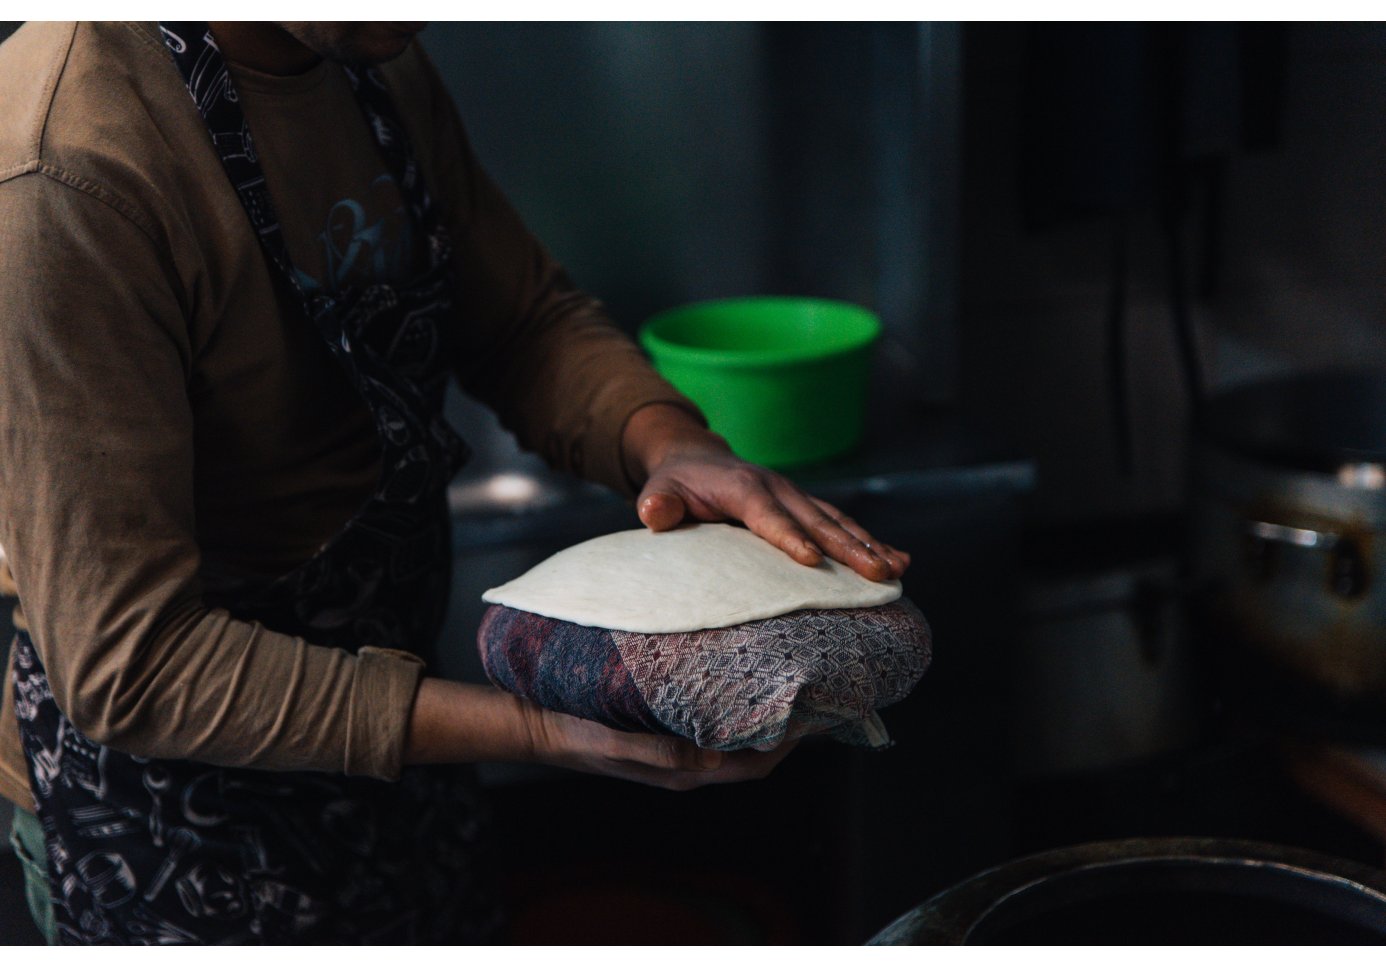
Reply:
x=1023, y=889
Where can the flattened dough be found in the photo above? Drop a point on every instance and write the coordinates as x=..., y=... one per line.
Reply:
x=701, y=577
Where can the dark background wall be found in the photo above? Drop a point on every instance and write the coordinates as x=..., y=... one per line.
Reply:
x=633, y=150
x=1296, y=238
x=665, y=163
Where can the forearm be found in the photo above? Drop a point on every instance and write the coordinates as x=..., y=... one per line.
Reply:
x=456, y=722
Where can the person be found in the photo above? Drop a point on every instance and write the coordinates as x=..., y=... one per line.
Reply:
x=242, y=262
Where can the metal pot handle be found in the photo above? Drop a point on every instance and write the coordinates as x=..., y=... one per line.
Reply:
x=1299, y=537
x=1348, y=574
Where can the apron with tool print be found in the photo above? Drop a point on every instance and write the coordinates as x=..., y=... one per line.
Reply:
x=151, y=851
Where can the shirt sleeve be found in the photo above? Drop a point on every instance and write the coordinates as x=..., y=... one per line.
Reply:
x=97, y=517
x=539, y=351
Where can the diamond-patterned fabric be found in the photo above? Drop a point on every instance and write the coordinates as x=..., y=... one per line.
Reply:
x=753, y=685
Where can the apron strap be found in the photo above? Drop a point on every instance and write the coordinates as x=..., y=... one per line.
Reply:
x=200, y=61
x=390, y=135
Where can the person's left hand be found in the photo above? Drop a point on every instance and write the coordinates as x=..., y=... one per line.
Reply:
x=691, y=473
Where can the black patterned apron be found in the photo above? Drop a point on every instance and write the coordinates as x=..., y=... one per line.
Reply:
x=150, y=851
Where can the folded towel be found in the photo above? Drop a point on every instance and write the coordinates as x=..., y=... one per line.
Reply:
x=748, y=686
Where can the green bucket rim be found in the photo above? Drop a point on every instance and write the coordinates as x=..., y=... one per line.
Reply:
x=658, y=346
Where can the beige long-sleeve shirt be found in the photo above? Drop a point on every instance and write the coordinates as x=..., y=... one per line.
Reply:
x=169, y=420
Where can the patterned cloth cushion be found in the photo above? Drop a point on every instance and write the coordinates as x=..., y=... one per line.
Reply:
x=749, y=686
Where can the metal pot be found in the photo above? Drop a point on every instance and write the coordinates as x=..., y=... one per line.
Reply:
x=1290, y=532
x=1157, y=891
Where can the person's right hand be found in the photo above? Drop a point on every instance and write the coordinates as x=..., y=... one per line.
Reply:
x=662, y=761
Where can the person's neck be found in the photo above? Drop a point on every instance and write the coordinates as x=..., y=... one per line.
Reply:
x=263, y=47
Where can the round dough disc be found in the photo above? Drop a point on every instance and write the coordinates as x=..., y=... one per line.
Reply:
x=698, y=577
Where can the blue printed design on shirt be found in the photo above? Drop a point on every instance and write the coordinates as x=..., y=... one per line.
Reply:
x=363, y=243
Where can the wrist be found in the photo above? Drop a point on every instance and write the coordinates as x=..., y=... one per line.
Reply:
x=656, y=432
x=455, y=722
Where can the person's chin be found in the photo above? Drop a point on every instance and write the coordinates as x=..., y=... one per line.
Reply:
x=385, y=43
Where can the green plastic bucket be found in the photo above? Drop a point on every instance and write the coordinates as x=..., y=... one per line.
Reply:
x=783, y=379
